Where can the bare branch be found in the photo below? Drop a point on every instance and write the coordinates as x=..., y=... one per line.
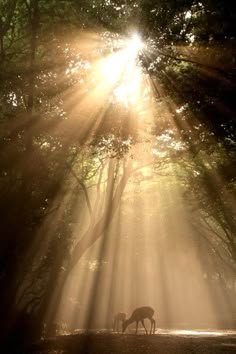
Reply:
x=80, y=182
x=95, y=232
x=187, y=60
x=216, y=251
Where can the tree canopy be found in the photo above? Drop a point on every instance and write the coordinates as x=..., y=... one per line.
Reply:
x=85, y=115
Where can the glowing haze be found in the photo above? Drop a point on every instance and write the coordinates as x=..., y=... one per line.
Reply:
x=145, y=250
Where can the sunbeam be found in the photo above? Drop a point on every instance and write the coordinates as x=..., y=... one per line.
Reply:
x=117, y=176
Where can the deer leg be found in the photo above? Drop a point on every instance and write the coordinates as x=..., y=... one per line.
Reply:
x=136, y=327
x=122, y=324
x=144, y=326
x=153, y=325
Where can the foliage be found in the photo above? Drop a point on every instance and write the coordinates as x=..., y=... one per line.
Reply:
x=49, y=161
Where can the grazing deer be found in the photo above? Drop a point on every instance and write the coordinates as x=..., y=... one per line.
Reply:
x=119, y=317
x=140, y=314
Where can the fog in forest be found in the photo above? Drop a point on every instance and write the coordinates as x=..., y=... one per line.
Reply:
x=117, y=165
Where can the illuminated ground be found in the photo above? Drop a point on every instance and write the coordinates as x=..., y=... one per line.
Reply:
x=166, y=341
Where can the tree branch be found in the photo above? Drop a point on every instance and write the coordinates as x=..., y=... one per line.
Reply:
x=187, y=60
x=95, y=232
x=83, y=188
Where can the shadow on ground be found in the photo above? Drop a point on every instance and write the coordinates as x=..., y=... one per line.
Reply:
x=164, y=342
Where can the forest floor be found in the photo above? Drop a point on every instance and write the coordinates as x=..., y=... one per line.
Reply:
x=163, y=342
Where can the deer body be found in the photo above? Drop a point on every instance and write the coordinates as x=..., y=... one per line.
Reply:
x=119, y=317
x=140, y=314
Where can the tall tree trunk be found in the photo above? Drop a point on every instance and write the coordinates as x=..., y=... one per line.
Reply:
x=94, y=232
x=33, y=10
x=2, y=54
x=4, y=26
x=112, y=203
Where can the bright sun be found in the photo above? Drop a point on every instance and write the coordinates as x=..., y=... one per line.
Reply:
x=122, y=73
x=135, y=44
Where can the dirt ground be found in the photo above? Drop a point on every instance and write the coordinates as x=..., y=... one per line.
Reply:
x=160, y=343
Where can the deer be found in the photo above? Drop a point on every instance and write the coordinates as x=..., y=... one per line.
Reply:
x=119, y=317
x=140, y=314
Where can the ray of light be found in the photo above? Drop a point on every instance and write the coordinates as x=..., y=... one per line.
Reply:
x=146, y=256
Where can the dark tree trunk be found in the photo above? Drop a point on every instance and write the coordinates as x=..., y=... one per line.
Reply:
x=34, y=25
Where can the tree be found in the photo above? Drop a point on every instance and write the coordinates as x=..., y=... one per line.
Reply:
x=54, y=161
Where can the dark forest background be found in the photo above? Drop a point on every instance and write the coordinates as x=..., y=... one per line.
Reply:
x=49, y=159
